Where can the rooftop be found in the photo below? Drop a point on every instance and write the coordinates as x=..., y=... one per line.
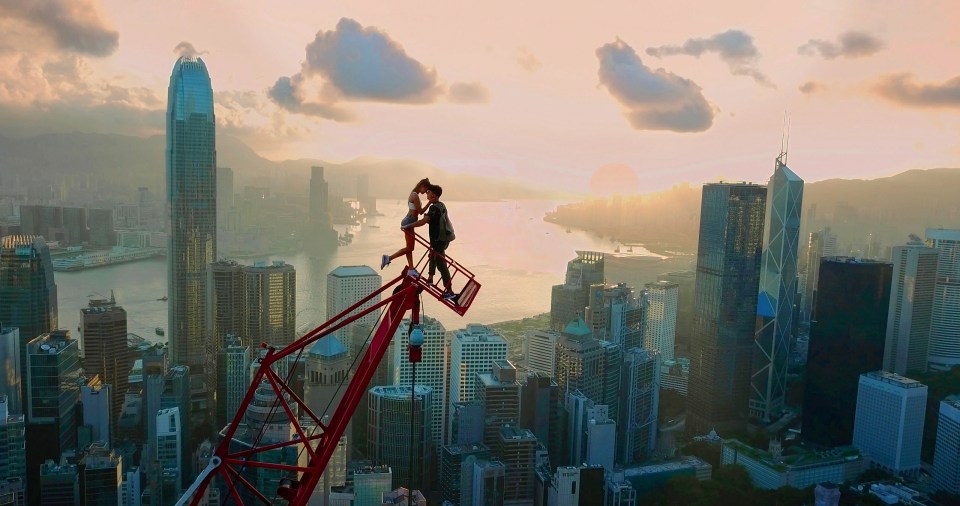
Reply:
x=795, y=456
x=347, y=271
x=893, y=379
x=683, y=463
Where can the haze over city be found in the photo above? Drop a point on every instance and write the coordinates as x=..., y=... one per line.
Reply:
x=540, y=92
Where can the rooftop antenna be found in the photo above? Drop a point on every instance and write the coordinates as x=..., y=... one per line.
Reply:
x=784, y=139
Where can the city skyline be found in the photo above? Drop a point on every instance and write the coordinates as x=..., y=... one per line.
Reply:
x=546, y=95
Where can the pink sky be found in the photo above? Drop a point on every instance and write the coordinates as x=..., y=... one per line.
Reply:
x=540, y=91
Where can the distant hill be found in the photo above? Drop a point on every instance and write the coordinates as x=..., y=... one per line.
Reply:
x=139, y=161
x=883, y=210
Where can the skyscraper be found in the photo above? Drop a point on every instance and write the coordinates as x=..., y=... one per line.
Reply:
x=728, y=274
x=105, y=349
x=911, y=307
x=347, y=285
x=499, y=391
x=169, y=448
x=10, y=373
x=686, y=295
x=100, y=475
x=540, y=351
x=568, y=301
x=323, y=236
x=777, y=295
x=946, y=453
x=517, y=450
x=13, y=456
x=617, y=314
x=820, y=244
x=256, y=303
x=640, y=391
x=846, y=340
x=233, y=373
x=580, y=360
x=661, y=327
x=473, y=350
x=889, y=421
x=28, y=295
x=389, y=431
x=944, y=351
x=191, y=159
x=456, y=471
x=431, y=370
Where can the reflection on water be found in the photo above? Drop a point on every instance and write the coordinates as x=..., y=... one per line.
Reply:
x=515, y=255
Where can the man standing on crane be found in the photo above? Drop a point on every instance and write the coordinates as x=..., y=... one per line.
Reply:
x=436, y=216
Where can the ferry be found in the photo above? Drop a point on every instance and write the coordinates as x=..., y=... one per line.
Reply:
x=163, y=299
x=159, y=331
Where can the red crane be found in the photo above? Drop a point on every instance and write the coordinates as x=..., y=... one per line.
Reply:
x=316, y=438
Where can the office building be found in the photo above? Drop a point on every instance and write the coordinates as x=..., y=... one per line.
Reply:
x=820, y=244
x=539, y=406
x=191, y=161
x=612, y=378
x=101, y=476
x=370, y=483
x=11, y=376
x=569, y=300
x=105, y=351
x=540, y=351
x=617, y=491
x=581, y=485
x=431, y=370
x=256, y=303
x=13, y=456
x=616, y=314
x=944, y=349
x=580, y=360
x=53, y=359
x=456, y=471
x=28, y=295
x=802, y=468
x=675, y=375
x=390, y=441
x=640, y=391
x=776, y=301
x=96, y=401
x=467, y=422
x=517, y=449
x=686, y=282
x=233, y=372
x=473, y=350
x=58, y=485
x=12, y=492
x=946, y=453
x=499, y=392
x=911, y=307
x=661, y=327
x=889, y=421
x=404, y=497
x=170, y=451
x=728, y=274
x=846, y=340
x=131, y=488
x=489, y=477
x=347, y=285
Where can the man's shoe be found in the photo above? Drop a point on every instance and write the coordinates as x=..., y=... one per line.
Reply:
x=448, y=295
x=384, y=261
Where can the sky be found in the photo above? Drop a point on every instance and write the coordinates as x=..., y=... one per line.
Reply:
x=558, y=94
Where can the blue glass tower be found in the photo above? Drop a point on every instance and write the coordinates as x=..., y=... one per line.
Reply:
x=725, y=310
x=778, y=293
x=191, y=197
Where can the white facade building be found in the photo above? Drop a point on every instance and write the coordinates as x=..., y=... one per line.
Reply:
x=661, y=328
x=170, y=443
x=911, y=306
x=944, y=350
x=889, y=422
x=347, y=285
x=946, y=453
x=431, y=371
x=540, y=351
x=472, y=350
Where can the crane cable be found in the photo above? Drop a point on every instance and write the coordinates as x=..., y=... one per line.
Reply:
x=413, y=402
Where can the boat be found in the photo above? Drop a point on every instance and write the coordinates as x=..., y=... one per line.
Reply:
x=159, y=331
x=163, y=299
x=617, y=249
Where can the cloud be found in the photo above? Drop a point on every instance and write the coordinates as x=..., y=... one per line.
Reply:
x=528, y=60
x=71, y=25
x=734, y=47
x=904, y=90
x=849, y=45
x=653, y=99
x=811, y=87
x=290, y=94
x=468, y=93
x=186, y=49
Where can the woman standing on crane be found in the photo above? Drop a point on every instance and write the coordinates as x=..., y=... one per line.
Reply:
x=414, y=210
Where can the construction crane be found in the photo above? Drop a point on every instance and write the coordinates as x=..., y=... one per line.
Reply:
x=318, y=435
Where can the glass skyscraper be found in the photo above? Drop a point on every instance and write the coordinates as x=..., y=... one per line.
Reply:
x=728, y=275
x=778, y=293
x=191, y=196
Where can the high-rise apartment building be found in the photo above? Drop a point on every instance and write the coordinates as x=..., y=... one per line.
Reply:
x=499, y=391
x=13, y=456
x=431, y=370
x=820, y=244
x=944, y=351
x=846, y=340
x=661, y=327
x=776, y=301
x=889, y=421
x=347, y=285
x=728, y=274
x=53, y=375
x=28, y=295
x=100, y=476
x=191, y=159
x=390, y=427
x=105, y=350
x=616, y=314
x=11, y=376
x=946, y=453
x=256, y=303
x=911, y=307
x=569, y=300
x=540, y=351
x=686, y=295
